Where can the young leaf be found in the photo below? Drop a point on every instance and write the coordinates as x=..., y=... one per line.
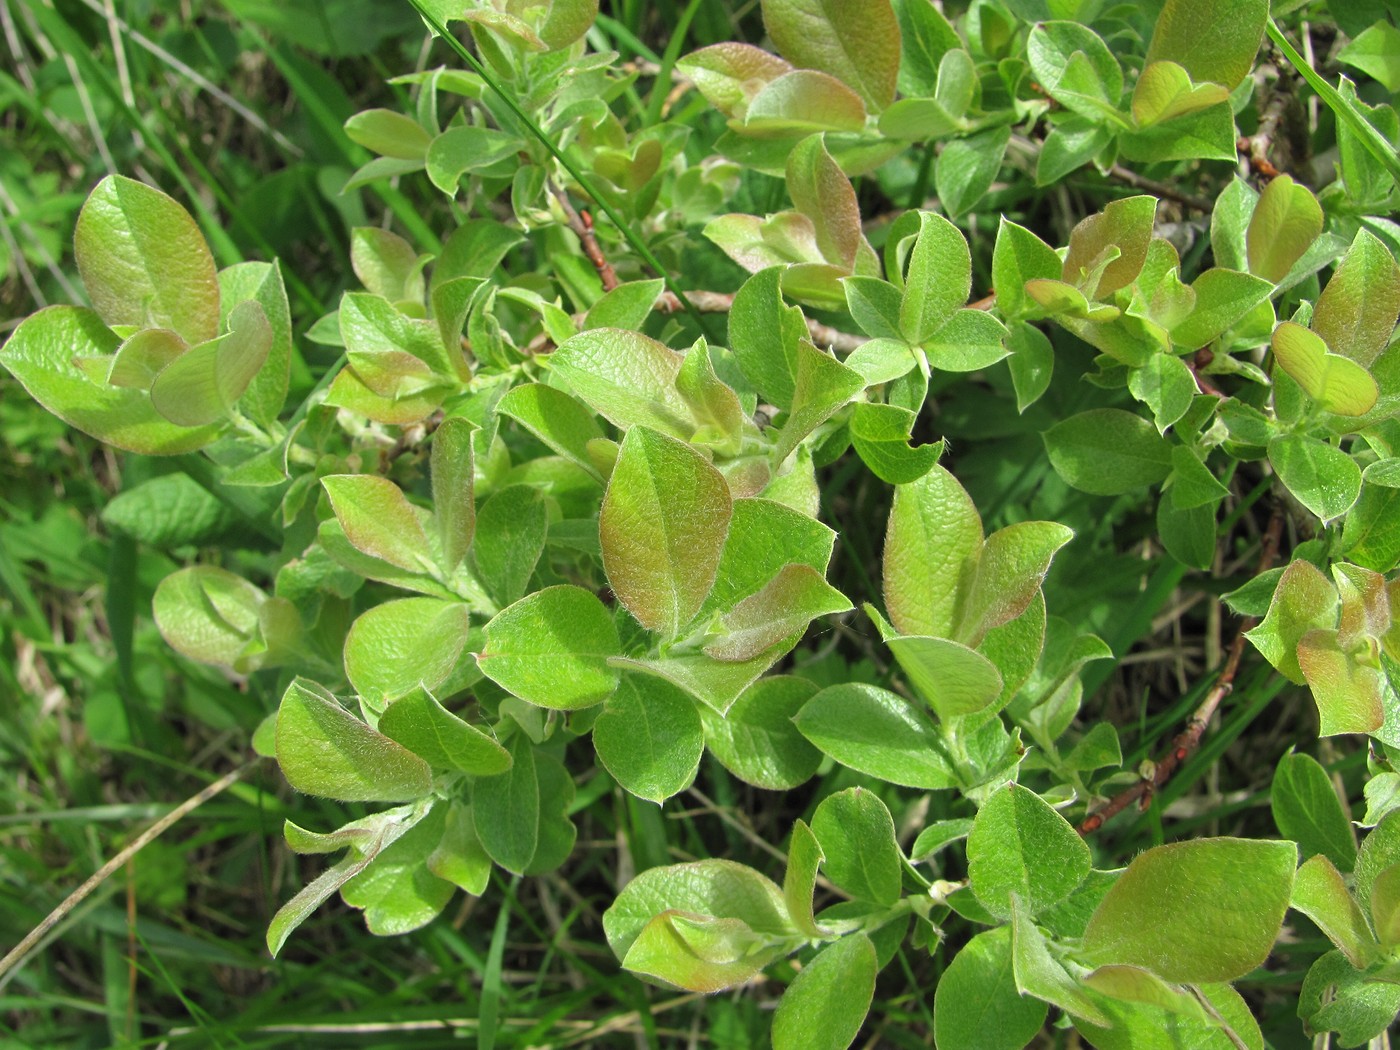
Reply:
x=378, y=520
x=977, y=1005
x=663, y=524
x=204, y=383
x=730, y=74
x=208, y=614
x=823, y=385
x=821, y=191
x=881, y=436
x=554, y=417
x=512, y=528
x=1165, y=91
x=627, y=378
x=261, y=283
x=964, y=171
x=459, y=857
x=1020, y=256
x=1198, y=911
x=398, y=645
x=1306, y=809
x=1020, y=846
x=756, y=739
x=937, y=280
x=785, y=606
x=934, y=534
x=396, y=891
x=826, y=1004
x=1350, y=694
x=800, y=879
x=954, y=680
x=1076, y=68
x=1214, y=40
x=1321, y=895
x=877, y=732
x=418, y=722
x=144, y=261
x=453, y=475
x=1286, y=221
x=1304, y=599
x=1007, y=576
x=764, y=334
x=552, y=648
x=1335, y=382
x=859, y=46
x=856, y=833
x=1125, y=225
x=1356, y=313
x=1041, y=974
x=324, y=750
x=649, y=737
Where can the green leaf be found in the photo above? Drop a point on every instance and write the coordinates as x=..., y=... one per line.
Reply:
x=1336, y=997
x=144, y=262
x=1165, y=385
x=396, y=891
x=955, y=681
x=713, y=403
x=551, y=649
x=1320, y=893
x=1335, y=382
x=418, y=722
x=1376, y=52
x=324, y=750
x=627, y=378
x=204, y=383
x=1165, y=91
x=938, y=278
x=934, y=534
x=626, y=306
x=1020, y=256
x=823, y=385
x=856, y=833
x=512, y=528
x=1222, y=899
x=800, y=879
x=507, y=811
x=1371, y=536
x=1304, y=599
x=1193, y=484
x=785, y=606
x=763, y=537
x=826, y=1004
x=208, y=614
x=881, y=436
x=1188, y=535
x=1041, y=974
x=1075, y=67
x=1108, y=452
x=718, y=888
x=1379, y=851
x=171, y=510
x=875, y=731
x=649, y=737
x=262, y=283
x=1355, y=315
x=379, y=521
x=467, y=148
x=964, y=171
x=389, y=134
x=663, y=525
x=554, y=417
x=1020, y=846
x=1306, y=809
x=700, y=953
x=397, y=645
x=764, y=334
x=1213, y=40
x=971, y=341
x=41, y=354
x=1286, y=221
x=756, y=739
x=859, y=46
x=1385, y=906
x=977, y=1005
x=1324, y=478
x=1223, y=297
x=459, y=857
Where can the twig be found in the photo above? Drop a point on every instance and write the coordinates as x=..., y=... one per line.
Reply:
x=1189, y=739
x=1197, y=361
x=21, y=951
x=1160, y=189
x=582, y=225
x=723, y=302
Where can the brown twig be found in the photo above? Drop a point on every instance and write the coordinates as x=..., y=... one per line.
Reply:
x=1189, y=739
x=582, y=225
x=723, y=302
x=1197, y=361
x=1160, y=189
